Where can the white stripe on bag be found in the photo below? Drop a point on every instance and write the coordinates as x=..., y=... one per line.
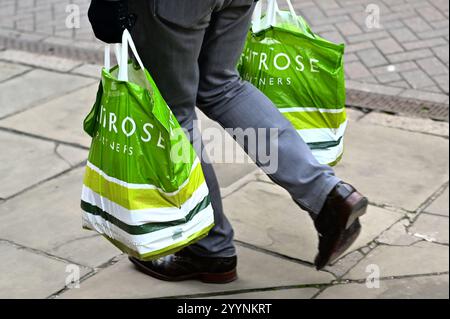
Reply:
x=143, y=216
x=310, y=110
x=323, y=134
x=154, y=241
x=329, y=155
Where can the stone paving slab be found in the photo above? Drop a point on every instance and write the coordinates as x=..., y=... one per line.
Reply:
x=91, y=250
x=426, y=96
x=405, y=123
x=398, y=235
x=48, y=218
x=441, y=205
x=122, y=280
x=59, y=119
x=388, y=164
x=26, y=162
x=421, y=258
x=73, y=156
x=433, y=228
x=429, y=287
x=20, y=93
x=91, y=70
x=228, y=174
x=341, y=266
x=381, y=159
x=89, y=44
x=39, y=60
x=222, y=151
x=9, y=70
x=374, y=223
x=264, y=215
x=25, y=274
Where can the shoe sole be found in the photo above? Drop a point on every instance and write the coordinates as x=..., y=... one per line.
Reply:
x=353, y=237
x=336, y=253
x=359, y=206
x=210, y=278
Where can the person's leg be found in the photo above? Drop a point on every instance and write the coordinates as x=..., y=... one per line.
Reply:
x=237, y=104
x=219, y=242
x=169, y=36
x=175, y=45
x=334, y=205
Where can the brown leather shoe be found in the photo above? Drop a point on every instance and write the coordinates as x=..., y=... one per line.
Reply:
x=184, y=265
x=338, y=223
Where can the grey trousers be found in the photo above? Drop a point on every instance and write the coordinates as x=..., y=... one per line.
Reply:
x=191, y=48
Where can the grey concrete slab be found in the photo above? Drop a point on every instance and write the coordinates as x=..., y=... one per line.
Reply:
x=59, y=119
x=228, y=174
x=429, y=287
x=8, y=70
x=374, y=223
x=229, y=160
x=342, y=266
x=425, y=96
x=38, y=85
x=398, y=235
x=49, y=219
x=26, y=161
x=264, y=215
x=406, y=123
x=372, y=88
x=220, y=147
x=302, y=293
x=92, y=70
x=392, y=166
x=421, y=258
x=122, y=280
x=441, y=205
x=354, y=115
x=25, y=274
x=39, y=60
x=92, y=250
x=72, y=155
x=434, y=228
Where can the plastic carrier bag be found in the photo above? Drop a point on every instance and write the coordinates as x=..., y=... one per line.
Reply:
x=303, y=75
x=144, y=188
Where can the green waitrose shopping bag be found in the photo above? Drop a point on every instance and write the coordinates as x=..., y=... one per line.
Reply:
x=144, y=188
x=302, y=74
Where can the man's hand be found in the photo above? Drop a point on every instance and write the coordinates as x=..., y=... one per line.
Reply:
x=109, y=18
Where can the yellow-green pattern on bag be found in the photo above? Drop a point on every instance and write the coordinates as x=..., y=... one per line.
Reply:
x=144, y=188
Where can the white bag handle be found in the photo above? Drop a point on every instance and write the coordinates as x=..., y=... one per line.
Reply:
x=291, y=8
x=117, y=49
x=256, y=19
x=272, y=9
x=271, y=15
x=121, y=53
x=127, y=41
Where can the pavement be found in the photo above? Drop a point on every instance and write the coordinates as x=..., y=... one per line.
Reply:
x=396, y=52
x=400, y=163
x=397, y=48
